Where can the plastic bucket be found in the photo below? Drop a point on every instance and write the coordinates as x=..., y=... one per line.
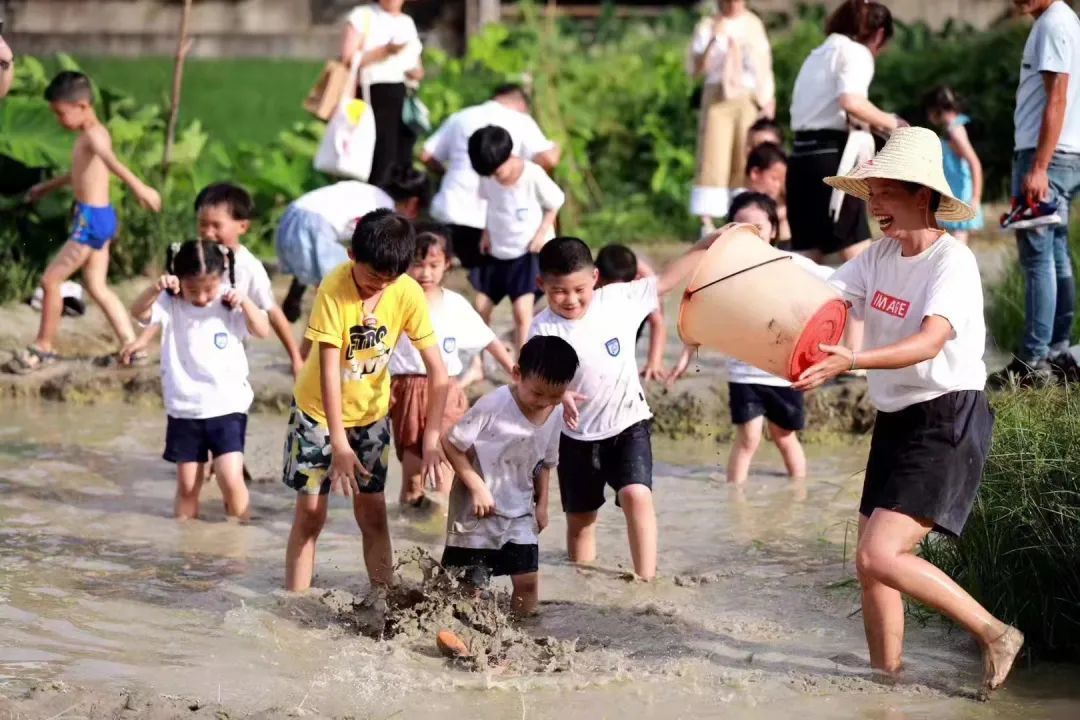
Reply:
x=754, y=303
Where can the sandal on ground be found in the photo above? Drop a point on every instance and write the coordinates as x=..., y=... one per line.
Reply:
x=113, y=360
x=30, y=359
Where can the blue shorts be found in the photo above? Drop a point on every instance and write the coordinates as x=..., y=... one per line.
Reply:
x=188, y=440
x=308, y=247
x=500, y=279
x=93, y=226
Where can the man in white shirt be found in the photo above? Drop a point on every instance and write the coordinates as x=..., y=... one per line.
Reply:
x=458, y=203
x=1046, y=168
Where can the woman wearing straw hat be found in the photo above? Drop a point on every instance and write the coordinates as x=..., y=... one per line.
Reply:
x=919, y=292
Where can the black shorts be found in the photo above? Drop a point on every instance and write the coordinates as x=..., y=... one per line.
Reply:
x=465, y=245
x=926, y=461
x=512, y=279
x=782, y=406
x=481, y=565
x=188, y=440
x=816, y=156
x=585, y=466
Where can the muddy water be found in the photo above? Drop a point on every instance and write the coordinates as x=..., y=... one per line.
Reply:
x=754, y=615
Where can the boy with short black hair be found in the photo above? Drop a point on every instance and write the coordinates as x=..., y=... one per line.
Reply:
x=224, y=212
x=503, y=452
x=606, y=441
x=339, y=433
x=71, y=98
x=618, y=264
x=522, y=203
x=764, y=130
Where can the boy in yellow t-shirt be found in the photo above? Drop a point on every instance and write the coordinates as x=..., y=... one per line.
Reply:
x=339, y=434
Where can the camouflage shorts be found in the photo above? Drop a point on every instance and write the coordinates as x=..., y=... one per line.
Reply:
x=307, y=454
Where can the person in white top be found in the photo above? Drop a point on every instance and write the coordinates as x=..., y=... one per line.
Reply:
x=503, y=452
x=224, y=212
x=607, y=440
x=522, y=204
x=458, y=202
x=389, y=50
x=458, y=327
x=920, y=294
x=204, y=371
x=830, y=97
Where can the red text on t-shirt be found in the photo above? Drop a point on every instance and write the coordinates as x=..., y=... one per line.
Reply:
x=890, y=305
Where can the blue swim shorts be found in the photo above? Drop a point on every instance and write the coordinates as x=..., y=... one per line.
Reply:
x=93, y=226
x=308, y=246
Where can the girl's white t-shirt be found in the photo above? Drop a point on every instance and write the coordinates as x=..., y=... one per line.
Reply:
x=894, y=294
x=839, y=66
x=457, y=326
x=204, y=370
x=378, y=28
x=514, y=212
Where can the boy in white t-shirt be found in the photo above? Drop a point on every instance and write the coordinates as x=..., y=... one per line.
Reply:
x=502, y=452
x=522, y=203
x=607, y=441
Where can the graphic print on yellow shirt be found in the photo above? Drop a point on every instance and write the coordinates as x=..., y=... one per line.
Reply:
x=366, y=340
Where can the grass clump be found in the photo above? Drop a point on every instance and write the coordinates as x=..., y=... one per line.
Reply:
x=1020, y=552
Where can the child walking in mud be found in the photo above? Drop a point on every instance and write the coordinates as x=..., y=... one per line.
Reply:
x=619, y=264
x=204, y=370
x=71, y=98
x=607, y=441
x=457, y=327
x=502, y=453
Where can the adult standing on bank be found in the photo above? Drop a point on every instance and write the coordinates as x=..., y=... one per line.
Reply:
x=730, y=50
x=458, y=202
x=1046, y=173
x=7, y=67
x=919, y=292
x=389, y=51
x=830, y=96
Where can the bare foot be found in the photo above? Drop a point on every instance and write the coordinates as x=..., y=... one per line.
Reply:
x=999, y=655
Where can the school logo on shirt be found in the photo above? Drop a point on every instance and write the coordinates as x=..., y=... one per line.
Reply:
x=522, y=214
x=367, y=353
x=613, y=347
x=890, y=305
x=449, y=345
x=221, y=340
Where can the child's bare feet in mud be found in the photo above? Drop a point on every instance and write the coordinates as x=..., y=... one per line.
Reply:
x=999, y=656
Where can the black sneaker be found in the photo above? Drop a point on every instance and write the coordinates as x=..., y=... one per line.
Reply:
x=1065, y=367
x=292, y=305
x=1021, y=374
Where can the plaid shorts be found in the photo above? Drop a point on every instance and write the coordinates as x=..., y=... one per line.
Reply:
x=307, y=454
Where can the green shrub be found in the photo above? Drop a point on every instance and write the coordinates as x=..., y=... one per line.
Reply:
x=1020, y=553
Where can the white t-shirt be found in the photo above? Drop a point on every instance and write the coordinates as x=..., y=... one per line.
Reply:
x=458, y=201
x=252, y=279
x=1053, y=46
x=604, y=340
x=510, y=451
x=746, y=374
x=204, y=371
x=344, y=203
x=514, y=211
x=839, y=66
x=457, y=326
x=378, y=28
x=894, y=294
x=714, y=62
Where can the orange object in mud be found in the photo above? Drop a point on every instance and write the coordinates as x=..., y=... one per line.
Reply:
x=451, y=645
x=754, y=303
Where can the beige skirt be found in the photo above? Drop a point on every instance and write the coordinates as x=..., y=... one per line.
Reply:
x=723, y=126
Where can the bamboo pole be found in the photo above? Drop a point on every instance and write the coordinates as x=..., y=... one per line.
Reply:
x=183, y=46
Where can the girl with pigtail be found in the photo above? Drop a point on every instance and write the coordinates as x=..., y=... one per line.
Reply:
x=204, y=371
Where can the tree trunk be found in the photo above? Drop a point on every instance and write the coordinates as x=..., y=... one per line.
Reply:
x=183, y=46
x=479, y=13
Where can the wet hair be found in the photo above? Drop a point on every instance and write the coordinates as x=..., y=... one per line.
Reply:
x=385, y=242
x=548, y=358
x=767, y=125
x=758, y=200
x=429, y=235
x=511, y=90
x=764, y=156
x=942, y=99
x=70, y=87
x=195, y=258
x=232, y=197
x=489, y=147
x=563, y=256
x=405, y=182
x=914, y=187
x=860, y=20
x=616, y=264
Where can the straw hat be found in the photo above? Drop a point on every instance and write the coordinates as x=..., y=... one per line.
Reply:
x=912, y=154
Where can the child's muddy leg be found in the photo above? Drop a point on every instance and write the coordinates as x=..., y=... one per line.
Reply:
x=524, y=600
x=412, y=480
x=787, y=441
x=637, y=505
x=70, y=258
x=581, y=537
x=370, y=512
x=747, y=440
x=308, y=521
x=229, y=470
x=95, y=276
x=188, y=485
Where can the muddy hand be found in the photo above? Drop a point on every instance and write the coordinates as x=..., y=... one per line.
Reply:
x=571, y=415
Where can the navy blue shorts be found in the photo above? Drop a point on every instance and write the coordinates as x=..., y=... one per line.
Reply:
x=512, y=279
x=585, y=467
x=189, y=440
x=480, y=566
x=782, y=406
